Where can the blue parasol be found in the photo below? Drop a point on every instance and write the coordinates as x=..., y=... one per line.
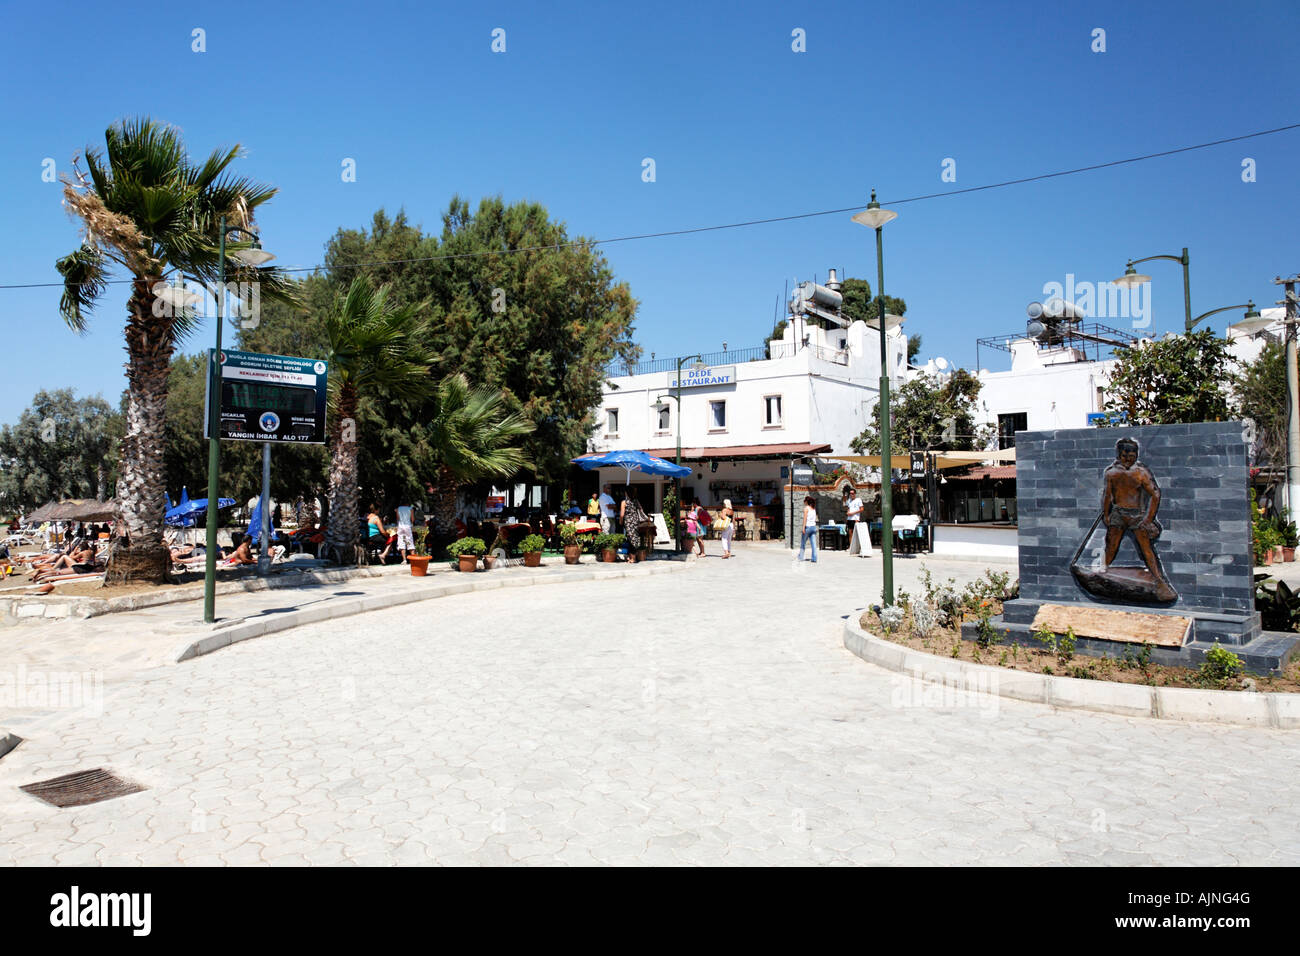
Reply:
x=632, y=460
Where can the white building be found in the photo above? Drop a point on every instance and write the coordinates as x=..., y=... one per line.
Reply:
x=745, y=415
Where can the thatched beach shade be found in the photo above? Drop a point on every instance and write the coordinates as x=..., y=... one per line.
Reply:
x=42, y=513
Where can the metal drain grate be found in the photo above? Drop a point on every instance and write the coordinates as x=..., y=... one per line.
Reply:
x=83, y=787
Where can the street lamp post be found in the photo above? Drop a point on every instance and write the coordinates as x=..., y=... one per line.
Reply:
x=1251, y=313
x=252, y=256
x=1131, y=279
x=1254, y=322
x=677, y=397
x=873, y=217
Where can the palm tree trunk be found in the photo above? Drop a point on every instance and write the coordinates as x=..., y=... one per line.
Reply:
x=341, y=535
x=446, y=494
x=138, y=552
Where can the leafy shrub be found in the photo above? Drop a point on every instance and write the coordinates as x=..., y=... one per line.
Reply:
x=1220, y=666
x=534, y=542
x=891, y=618
x=925, y=618
x=609, y=542
x=461, y=546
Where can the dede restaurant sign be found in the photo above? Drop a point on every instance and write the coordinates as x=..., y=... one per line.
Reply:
x=697, y=378
x=270, y=398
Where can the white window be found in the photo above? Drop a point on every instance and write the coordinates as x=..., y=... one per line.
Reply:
x=611, y=423
x=664, y=418
x=718, y=416
x=772, y=411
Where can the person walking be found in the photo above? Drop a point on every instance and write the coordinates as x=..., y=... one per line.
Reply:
x=405, y=540
x=698, y=521
x=728, y=517
x=607, y=512
x=633, y=515
x=809, y=527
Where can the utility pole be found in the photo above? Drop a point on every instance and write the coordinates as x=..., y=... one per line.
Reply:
x=1292, y=394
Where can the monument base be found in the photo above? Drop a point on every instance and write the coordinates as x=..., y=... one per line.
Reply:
x=1267, y=652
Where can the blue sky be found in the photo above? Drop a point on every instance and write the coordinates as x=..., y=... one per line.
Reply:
x=740, y=127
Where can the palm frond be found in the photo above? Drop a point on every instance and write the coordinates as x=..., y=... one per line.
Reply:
x=84, y=281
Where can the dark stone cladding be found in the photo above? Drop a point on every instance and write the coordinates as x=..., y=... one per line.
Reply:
x=1205, y=546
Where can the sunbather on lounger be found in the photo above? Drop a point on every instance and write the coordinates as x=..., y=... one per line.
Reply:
x=80, y=562
x=243, y=554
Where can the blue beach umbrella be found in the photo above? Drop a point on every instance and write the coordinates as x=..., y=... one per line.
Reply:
x=632, y=460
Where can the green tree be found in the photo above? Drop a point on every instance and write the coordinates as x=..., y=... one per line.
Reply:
x=374, y=349
x=516, y=305
x=60, y=447
x=1261, y=395
x=472, y=435
x=913, y=346
x=1177, y=380
x=146, y=208
x=860, y=305
x=921, y=410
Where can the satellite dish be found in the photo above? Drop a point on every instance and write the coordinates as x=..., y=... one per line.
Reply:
x=941, y=363
x=891, y=322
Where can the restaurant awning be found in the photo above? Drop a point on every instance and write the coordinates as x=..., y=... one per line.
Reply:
x=744, y=452
x=942, y=459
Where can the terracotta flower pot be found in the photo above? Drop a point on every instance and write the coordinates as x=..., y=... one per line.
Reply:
x=1266, y=559
x=532, y=559
x=468, y=562
x=1277, y=555
x=572, y=553
x=489, y=562
x=419, y=565
x=1288, y=554
x=608, y=555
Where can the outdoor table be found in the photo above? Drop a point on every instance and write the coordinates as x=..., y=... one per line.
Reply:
x=832, y=533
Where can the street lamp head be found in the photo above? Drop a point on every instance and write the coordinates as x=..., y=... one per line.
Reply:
x=1131, y=278
x=253, y=256
x=873, y=217
x=176, y=296
x=1253, y=321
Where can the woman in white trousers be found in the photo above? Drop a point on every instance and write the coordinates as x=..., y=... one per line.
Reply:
x=729, y=517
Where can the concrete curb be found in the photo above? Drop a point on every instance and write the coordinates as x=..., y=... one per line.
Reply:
x=1237, y=708
x=30, y=607
x=223, y=634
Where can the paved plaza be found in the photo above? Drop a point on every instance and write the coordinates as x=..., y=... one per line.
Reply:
x=709, y=715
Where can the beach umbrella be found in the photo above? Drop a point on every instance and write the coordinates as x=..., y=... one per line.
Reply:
x=632, y=460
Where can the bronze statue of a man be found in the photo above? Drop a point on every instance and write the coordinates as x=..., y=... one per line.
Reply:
x=1125, y=483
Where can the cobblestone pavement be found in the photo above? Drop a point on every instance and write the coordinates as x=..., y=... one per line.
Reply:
x=706, y=716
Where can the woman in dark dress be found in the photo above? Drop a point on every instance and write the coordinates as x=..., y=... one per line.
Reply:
x=632, y=515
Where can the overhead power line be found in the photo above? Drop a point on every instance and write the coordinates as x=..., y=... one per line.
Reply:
x=748, y=222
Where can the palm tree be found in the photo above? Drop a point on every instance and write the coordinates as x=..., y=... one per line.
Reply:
x=374, y=346
x=146, y=208
x=470, y=434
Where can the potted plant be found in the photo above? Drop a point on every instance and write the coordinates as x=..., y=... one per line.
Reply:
x=531, y=547
x=467, y=550
x=572, y=549
x=420, y=559
x=1289, y=538
x=607, y=545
